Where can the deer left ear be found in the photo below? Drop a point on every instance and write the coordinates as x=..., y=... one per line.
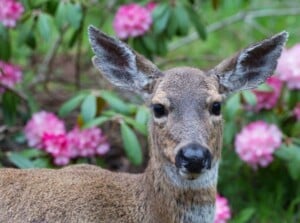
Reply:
x=119, y=64
x=252, y=66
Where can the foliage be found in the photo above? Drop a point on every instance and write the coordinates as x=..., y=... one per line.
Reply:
x=49, y=44
x=128, y=115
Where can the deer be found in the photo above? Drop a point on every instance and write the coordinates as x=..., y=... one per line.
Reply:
x=185, y=135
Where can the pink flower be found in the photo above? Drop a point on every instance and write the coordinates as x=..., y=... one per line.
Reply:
x=87, y=142
x=256, y=143
x=132, y=20
x=45, y=131
x=223, y=212
x=10, y=12
x=151, y=6
x=296, y=111
x=42, y=123
x=77, y=143
x=57, y=145
x=288, y=67
x=268, y=99
x=102, y=149
x=9, y=74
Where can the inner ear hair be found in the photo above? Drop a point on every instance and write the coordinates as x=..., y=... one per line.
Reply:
x=121, y=65
x=251, y=66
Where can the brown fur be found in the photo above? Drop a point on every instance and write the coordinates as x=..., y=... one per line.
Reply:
x=84, y=193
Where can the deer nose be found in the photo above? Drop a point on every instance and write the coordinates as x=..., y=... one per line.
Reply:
x=194, y=158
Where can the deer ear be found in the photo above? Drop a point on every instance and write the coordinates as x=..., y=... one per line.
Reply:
x=121, y=65
x=252, y=66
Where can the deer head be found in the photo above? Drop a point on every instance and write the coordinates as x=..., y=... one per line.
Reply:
x=186, y=124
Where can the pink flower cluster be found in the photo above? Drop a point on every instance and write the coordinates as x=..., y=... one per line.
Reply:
x=223, y=213
x=256, y=143
x=296, y=111
x=40, y=124
x=133, y=20
x=268, y=99
x=45, y=131
x=288, y=67
x=10, y=12
x=9, y=74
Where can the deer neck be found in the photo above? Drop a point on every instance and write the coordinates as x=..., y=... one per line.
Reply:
x=174, y=199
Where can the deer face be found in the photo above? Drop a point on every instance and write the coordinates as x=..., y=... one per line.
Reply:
x=186, y=120
x=186, y=124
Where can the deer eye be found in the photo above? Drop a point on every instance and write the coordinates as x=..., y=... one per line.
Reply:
x=159, y=110
x=216, y=108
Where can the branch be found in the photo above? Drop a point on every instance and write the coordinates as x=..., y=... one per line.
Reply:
x=45, y=68
x=79, y=50
x=20, y=94
x=241, y=16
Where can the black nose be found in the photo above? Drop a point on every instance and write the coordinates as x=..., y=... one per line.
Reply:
x=194, y=158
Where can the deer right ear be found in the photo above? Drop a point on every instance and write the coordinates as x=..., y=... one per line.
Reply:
x=252, y=66
x=120, y=65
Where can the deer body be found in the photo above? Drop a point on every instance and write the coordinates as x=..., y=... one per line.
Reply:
x=179, y=184
x=84, y=193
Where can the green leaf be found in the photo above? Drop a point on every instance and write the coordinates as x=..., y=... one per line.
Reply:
x=60, y=15
x=44, y=162
x=250, y=97
x=232, y=106
x=160, y=10
x=139, y=46
x=31, y=153
x=116, y=103
x=162, y=46
x=131, y=145
x=71, y=104
x=74, y=37
x=32, y=103
x=142, y=115
x=74, y=15
x=19, y=138
x=294, y=169
x=196, y=20
x=291, y=154
x=44, y=26
x=172, y=24
x=68, y=14
x=149, y=43
x=95, y=122
x=37, y=3
x=288, y=152
x=20, y=161
x=142, y=128
x=264, y=87
x=293, y=99
x=244, y=216
x=31, y=41
x=231, y=130
x=5, y=46
x=296, y=129
x=182, y=19
x=10, y=102
x=89, y=108
x=161, y=20
x=293, y=205
x=51, y=6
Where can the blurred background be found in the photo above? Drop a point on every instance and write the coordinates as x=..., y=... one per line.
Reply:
x=57, y=110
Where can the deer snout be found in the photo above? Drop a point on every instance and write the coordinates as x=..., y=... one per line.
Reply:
x=193, y=158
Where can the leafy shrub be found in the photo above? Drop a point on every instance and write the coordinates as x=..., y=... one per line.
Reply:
x=35, y=35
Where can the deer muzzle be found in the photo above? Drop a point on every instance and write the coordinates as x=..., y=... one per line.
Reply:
x=192, y=159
